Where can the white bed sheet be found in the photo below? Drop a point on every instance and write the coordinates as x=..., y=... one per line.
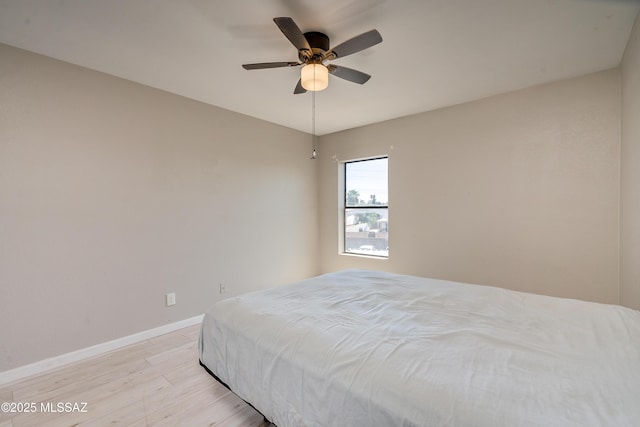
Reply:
x=363, y=348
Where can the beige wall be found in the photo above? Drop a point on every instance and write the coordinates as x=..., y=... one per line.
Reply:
x=630, y=173
x=113, y=194
x=519, y=190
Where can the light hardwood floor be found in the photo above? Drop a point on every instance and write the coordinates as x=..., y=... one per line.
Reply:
x=157, y=382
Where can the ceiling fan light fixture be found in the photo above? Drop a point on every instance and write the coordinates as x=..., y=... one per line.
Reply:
x=314, y=77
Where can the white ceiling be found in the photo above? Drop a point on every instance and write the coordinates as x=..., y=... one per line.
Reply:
x=435, y=53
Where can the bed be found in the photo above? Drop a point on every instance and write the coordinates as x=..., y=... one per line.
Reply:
x=364, y=348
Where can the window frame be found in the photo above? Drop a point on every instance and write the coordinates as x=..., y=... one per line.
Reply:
x=344, y=207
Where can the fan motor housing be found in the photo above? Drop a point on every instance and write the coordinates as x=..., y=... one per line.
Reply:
x=319, y=43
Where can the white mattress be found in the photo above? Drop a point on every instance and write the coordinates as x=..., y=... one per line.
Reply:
x=363, y=348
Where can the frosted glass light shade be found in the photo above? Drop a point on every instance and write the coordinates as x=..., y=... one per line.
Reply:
x=314, y=77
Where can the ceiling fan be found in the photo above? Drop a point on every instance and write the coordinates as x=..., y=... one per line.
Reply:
x=313, y=51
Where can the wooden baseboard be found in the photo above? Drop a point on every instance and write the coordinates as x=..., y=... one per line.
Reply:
x=42, y=366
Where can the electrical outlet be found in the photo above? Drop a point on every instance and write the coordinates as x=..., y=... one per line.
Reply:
x=171, y=299
x=222, y=288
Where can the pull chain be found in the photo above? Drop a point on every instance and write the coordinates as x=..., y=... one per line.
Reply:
x=313, y=122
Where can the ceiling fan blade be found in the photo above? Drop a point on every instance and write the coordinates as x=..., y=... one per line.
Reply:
x=299, y=89
x=262, y=65
x=356, y=44
x=350, y=74
x=293, y=33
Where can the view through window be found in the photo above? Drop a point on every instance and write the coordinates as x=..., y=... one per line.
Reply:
x=366, y=213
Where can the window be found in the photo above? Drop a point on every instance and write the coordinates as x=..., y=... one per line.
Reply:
x=366, y=207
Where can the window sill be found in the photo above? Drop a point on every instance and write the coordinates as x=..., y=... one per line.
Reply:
x=350, y=254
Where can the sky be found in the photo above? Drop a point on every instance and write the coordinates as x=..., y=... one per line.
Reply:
x=369, y=177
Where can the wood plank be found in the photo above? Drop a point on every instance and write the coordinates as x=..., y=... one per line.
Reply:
x=128, y=410
x=192, y=332
x=6, y=395
x=96, y=406
x=115, y=362
x=156, y=382
x=71, y=383
x=190, y=406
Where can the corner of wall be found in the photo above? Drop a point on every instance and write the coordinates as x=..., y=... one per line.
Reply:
x=629, y=234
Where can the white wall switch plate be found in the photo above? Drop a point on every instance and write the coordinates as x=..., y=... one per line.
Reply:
x=171, y=299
